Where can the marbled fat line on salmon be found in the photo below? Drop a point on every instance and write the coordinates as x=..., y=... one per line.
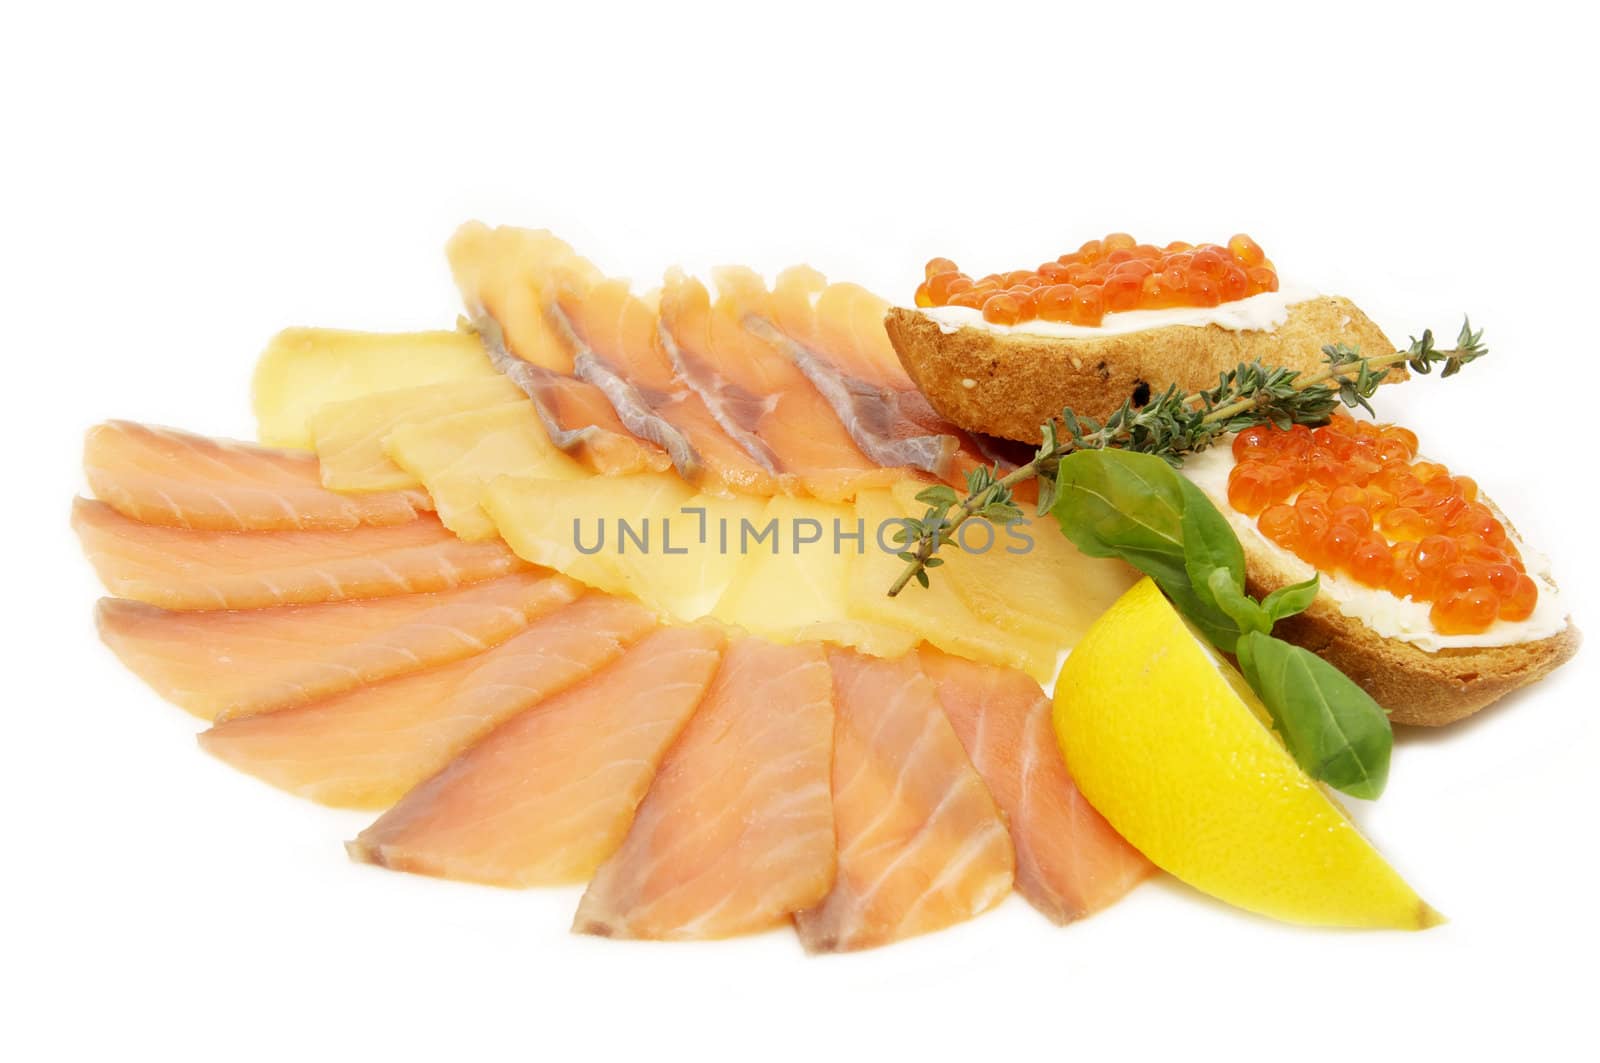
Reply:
x=556, y=310
x=921, y=842
x=1070, y=862
x=637, y=412
x=504, y=277
x=842, y=324
x=549, y=794
x=219, y=664
x=758, y=394
x=576, y=415
x=620, y=335
x=736, y=831
x=737, y=412
x=367, y=747
x=179, y=568
x=863, y=390
x=867, y=412
x=165, y=476
x=558, y=313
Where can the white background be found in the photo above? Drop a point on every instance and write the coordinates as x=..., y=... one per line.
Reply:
x=178, y=185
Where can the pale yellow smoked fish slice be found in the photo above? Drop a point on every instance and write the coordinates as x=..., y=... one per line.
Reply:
x=349, y=436
x=304, y=369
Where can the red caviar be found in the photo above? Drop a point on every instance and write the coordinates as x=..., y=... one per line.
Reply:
x=1352, y=498
x=1113, y=275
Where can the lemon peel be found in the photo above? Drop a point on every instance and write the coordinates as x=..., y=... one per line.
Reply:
x=1167, y=741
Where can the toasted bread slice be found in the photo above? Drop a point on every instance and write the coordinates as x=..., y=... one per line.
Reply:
x=1008, y=384
x=1415, y=686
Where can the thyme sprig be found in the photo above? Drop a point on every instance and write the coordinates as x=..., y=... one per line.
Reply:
x=1172, y=425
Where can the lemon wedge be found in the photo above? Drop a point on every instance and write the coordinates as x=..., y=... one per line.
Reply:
x=1167, y=741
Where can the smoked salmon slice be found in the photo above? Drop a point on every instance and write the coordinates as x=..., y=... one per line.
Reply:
x=921, y=843
x=1070, y=862
x=573, y=341
x=577, y=416
x=620, y=350
x=734, y=394
x=226, y=663
x=506, y=271
x=828, y=333
x=179, y=568
x=549, y=794
x=164, y=476
x=841, y=320
x=367, y=747
x=757, y=395
x=504, y=276
x=736, y=831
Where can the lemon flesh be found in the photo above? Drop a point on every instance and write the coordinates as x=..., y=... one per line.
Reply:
x=1171, y=746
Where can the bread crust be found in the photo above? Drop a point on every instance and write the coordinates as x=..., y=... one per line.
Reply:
x=1007, y=385
x=1416, y=687
x=1017, y=381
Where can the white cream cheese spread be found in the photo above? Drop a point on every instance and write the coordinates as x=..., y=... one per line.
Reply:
x=1256, y=313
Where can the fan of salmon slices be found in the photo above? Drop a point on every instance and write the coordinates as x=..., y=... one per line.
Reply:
x=359, y=624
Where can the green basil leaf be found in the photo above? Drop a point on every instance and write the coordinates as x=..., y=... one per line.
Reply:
x=1221, y=630
x=1114, y=503
x=1295, y=598
x=1229, y=597
x=1333, y=728
x=1117, y=503
x=1214, y=561
x=1209, y=541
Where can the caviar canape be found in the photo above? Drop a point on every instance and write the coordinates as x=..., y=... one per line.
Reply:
x=1003, y=353
x=1113, y=275
x=1353, y=498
